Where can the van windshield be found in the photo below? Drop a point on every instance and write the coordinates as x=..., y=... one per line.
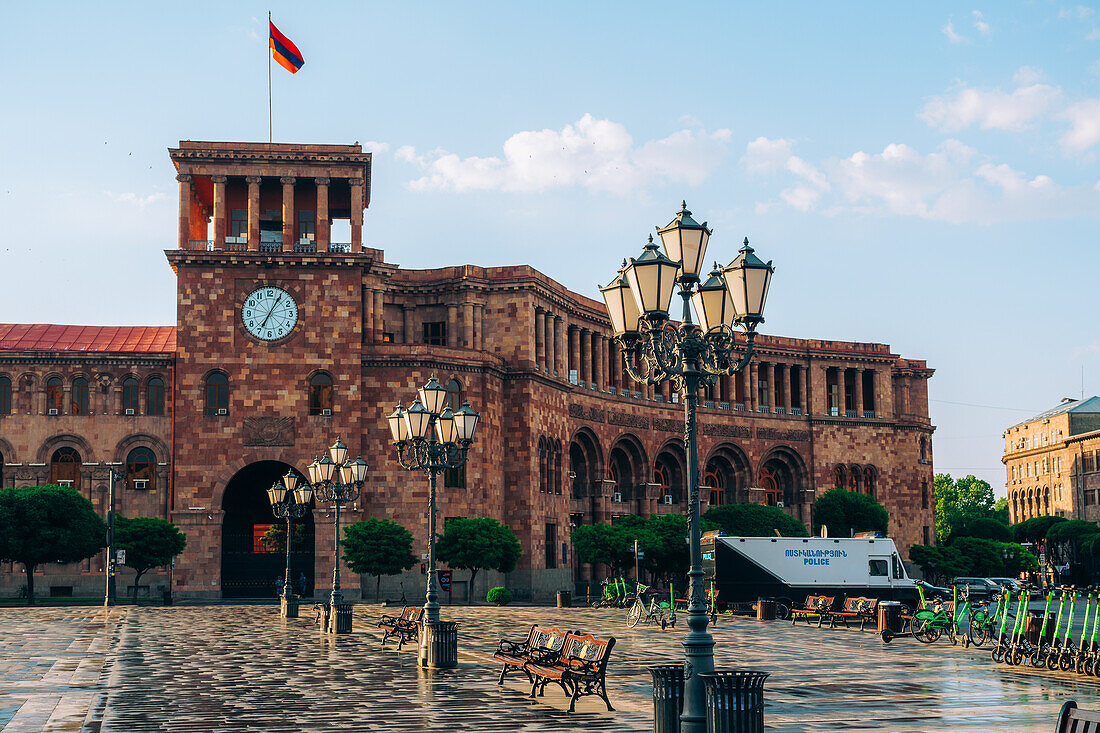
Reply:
x=877, y=568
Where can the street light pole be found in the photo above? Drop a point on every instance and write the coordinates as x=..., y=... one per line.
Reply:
x=289, y=500
x=109, y=594
x=691, y=357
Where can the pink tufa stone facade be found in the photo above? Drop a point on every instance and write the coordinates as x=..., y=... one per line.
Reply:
x=565, y=436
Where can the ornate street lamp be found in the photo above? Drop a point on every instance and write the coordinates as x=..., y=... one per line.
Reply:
x=432, y=438
x=289, y=500
x=690, y=356
x=338, y=481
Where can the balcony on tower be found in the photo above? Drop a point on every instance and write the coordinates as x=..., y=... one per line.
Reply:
x=271, y=197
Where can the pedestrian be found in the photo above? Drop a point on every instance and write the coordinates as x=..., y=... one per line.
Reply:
x=303, y=583
x=278, y=586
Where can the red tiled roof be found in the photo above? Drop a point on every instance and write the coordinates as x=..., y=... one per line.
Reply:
x=114, y=339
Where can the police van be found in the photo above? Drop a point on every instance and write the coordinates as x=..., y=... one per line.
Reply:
x=787, y=569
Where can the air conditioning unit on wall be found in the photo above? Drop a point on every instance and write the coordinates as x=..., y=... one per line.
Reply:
x=326, y=413
x=130, y=411
x=223, y=411
x=52, y=411
x=667, y=499
x=141, y=483
x=617, y=498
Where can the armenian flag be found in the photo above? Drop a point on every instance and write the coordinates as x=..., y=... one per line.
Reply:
x=285, y=52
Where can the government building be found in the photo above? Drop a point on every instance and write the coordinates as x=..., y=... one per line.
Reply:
x=1052, y=463
x=286, y=340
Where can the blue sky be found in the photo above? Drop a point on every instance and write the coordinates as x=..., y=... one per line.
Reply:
x=922, y=176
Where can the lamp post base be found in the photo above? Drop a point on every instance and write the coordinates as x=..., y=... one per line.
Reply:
x=438, y=645
x=288, y=606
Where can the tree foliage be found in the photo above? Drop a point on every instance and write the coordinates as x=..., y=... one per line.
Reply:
x=1071, y=530
x=603, y=544
x=972, y=556
x=959, y=500
x=986, y=528
x=477, y=544
x=754, y=520
x=41, y=524
x=149, y=543
x=377, y=547
x=1034, y=529
x=846, y=512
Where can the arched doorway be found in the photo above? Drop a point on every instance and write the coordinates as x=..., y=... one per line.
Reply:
x=253, y=541
x=727, y=476
x=782, y=476
x=669, y=473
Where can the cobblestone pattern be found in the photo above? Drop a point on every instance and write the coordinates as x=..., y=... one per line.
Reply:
x=242, y=668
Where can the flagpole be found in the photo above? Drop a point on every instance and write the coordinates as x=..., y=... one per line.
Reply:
x=269, y=76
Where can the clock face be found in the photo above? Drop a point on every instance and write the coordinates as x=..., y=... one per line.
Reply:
x=269, y=313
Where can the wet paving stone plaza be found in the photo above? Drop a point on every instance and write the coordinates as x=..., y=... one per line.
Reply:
x=243, y=668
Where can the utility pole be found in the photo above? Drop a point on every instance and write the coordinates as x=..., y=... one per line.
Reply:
x=109, y=595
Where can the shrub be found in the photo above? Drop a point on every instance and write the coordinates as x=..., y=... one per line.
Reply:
x=499, y=596
x=754, y=520
x=981, y=527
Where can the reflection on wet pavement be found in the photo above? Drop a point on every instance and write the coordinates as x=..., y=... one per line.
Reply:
x=242, y=668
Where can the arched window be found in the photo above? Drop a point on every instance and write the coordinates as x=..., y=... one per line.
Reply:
x=217, y=394
x=923, y=449
x=129, y=396
x=5, y=395
x=53, y=396
x=770, y=483
x=78, y=404
x=660, y=476
x=556, y=468
x=542, y=465
x=1, y=470
x=855, y=479
x=870, y=479
x=320, y=394
x=65, y=468
x=840, y=477
x=154, y=396
x=712, y=481
x=454, y=394
x=141, y=469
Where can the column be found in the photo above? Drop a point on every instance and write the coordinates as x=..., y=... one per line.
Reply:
x=586, y=357
x=559, y=347
x=452, y=324
x=288, y=213
x=368, y=316
x=574, y=352
x=600, y=349
x=857, y=387
x=185, y=208
x=771, y=373
x=804, y=375
x=323, y=223
x=407, y=335
x=467, y=325
x=746, y=384
x=479, y=321
x=787, y=387
x=253, y=213
x=219, y=211
x=379, y=320
x=540, y=334
x=551, y=345
x=614, y=378
x=754, y=377
x=356, y=214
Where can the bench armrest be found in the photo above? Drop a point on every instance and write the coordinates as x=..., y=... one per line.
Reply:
x=544, y=657
x=387, y=619
x=583, y=666
x=513, y=648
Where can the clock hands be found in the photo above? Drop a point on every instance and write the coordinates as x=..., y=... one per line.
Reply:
x=271, y=310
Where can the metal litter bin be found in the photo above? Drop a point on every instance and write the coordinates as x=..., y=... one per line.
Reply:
x=288, y=606
x=765, y=609
x=735, y=701
x=889, y=619
x=564, y=599
x=1035, y=625
x=438, y=645
x=668, y=697
x=340, y=622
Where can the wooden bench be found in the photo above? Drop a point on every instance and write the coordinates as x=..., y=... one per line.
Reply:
x=404, y=627
x=542, y=644
x=579, y=668
x=814, y=606
x=855, y=607
x=1073, y=719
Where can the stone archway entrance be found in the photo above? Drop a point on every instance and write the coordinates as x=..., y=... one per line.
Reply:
x=252, y=558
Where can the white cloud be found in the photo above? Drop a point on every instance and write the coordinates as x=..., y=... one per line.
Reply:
x=1077, y=12
x=991, y=109
x=372, y=146
x=139, y=200
x=1084, y=120
x=953, y=184
x=595, y=154
x=763, y=155
x=1027, y=75
x=979, y=24
x=949, y=31
x=1093, y=35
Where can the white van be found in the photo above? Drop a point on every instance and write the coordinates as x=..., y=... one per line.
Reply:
x=787, y=569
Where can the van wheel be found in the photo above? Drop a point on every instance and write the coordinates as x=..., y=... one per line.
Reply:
x=783, y=608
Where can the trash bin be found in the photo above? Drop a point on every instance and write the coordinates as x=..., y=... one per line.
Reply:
x=889, y=619
x=735, y=701
x=288, y=606
x=564, y=599
x=168, y=598
x=668, y=697
x=438, y=645
x=340, y=622
x=1035, y=625
x=765, y=609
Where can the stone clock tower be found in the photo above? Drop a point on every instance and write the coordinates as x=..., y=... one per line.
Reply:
x=269, y=339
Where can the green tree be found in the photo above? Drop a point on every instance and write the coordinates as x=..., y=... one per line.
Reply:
x=939, y=564
x=41, y=524
x=957, y=500
x=754, y=520
x=666, y=550
x=1000, y=511
x=848, y=512
x=477, y=544
x=377, y=547
x=149, y=543
x=982, y=527
x=1034, y=529
x=604, y=544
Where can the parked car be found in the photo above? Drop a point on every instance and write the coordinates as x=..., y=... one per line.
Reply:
x=1010, y=583
x=932, y=592
x=980, y=588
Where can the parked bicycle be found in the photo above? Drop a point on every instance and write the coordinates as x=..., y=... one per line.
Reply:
x=663, y=612
x=614, y=594
x=982, y=624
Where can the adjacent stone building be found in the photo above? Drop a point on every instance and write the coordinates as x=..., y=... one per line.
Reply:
x=286, y=340
x=1052, y=463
